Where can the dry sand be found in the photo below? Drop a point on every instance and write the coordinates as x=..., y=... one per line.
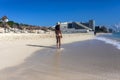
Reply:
x=15, y=48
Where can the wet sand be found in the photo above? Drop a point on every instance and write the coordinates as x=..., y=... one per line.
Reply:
x=15, y=48
x=86, y=60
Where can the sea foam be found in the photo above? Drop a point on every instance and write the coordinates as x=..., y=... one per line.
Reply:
x=109, y=41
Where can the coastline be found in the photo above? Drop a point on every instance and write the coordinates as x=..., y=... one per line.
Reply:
x=15, y=48
x=86, y=60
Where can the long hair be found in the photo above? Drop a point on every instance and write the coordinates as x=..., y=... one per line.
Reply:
x=57, y=27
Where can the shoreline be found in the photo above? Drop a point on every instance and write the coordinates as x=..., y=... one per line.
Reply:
x=14, y=47
x=87, y=60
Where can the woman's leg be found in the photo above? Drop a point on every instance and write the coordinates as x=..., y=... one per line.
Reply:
x=59, y=41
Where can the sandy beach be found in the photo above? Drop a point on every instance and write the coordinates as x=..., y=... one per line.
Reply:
x=82, y=59
x=14, y=47
x=36, y=58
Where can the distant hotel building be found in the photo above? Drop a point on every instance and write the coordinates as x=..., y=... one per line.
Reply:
x=77, y=26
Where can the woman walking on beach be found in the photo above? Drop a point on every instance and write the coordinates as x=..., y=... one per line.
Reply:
x=58, y=36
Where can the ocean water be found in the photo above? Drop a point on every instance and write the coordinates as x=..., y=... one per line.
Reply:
x=112, y=38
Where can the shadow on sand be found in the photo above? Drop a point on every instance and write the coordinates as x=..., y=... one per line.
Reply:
x=41, y=46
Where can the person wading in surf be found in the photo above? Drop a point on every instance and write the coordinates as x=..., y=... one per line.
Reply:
x=58, y=36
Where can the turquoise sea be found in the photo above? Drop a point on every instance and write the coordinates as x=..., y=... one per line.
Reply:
x=111, y=38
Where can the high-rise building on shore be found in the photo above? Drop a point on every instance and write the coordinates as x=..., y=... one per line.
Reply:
x=90, y=24
x=77, y=26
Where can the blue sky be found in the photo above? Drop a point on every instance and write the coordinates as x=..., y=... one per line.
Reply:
x=48, y=12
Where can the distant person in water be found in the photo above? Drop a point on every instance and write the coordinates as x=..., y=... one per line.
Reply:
x=94, y=32
x=58, y=35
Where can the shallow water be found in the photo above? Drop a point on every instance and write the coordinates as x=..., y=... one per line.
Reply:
x=111, y=38
x=88, y=60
